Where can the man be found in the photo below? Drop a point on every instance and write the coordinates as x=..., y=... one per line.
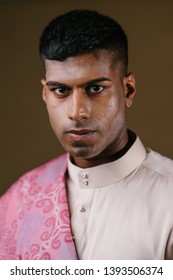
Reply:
x=108, y=197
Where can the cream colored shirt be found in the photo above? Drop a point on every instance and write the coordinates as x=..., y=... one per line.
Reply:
x=123, y=209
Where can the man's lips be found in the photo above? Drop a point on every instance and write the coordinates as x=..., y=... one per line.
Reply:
x=80, y=131
x=80, y=134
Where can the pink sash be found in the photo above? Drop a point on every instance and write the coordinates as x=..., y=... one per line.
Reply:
x=34, y=216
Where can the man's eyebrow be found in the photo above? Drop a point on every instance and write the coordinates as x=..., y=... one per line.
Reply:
x=58, y=84
x=87, y=83
x=94, y=81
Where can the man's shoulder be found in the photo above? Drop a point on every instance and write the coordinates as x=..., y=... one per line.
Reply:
x=158, y=163
x=53, y=167
x=41, y=176
x=49, y=170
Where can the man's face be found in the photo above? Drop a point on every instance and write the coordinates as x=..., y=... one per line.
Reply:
x=86, y=98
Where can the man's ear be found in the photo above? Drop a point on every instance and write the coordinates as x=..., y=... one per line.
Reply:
x=43, y=82
x=130, y=89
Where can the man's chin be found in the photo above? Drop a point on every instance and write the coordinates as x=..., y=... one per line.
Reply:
x=77, y=149
x=80, y=153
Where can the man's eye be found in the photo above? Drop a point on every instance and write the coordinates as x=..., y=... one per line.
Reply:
x=94, y=89
x=60, y=90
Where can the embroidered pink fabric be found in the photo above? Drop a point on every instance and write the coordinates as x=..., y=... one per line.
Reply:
x=34, y=216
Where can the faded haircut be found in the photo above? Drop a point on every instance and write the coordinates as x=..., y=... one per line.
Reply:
x=83, y=31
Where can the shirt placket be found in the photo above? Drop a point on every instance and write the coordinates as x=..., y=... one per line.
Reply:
x=82, y=209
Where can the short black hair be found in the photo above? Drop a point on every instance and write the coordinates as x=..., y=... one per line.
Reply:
x=83, y=31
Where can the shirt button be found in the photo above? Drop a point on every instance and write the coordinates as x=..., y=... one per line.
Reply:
x=82, y=209
x=85, y=183
x=85, y=175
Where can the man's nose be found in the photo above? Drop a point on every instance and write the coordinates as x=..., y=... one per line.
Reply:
x=79, y=106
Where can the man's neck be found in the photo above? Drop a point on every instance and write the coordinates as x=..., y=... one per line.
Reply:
x=87, y=163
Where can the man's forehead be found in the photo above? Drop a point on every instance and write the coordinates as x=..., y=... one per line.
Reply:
x=100, y=61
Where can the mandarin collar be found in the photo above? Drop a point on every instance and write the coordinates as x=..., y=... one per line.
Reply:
x=106, y=174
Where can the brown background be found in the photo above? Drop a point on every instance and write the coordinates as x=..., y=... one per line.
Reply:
x=26, y=137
